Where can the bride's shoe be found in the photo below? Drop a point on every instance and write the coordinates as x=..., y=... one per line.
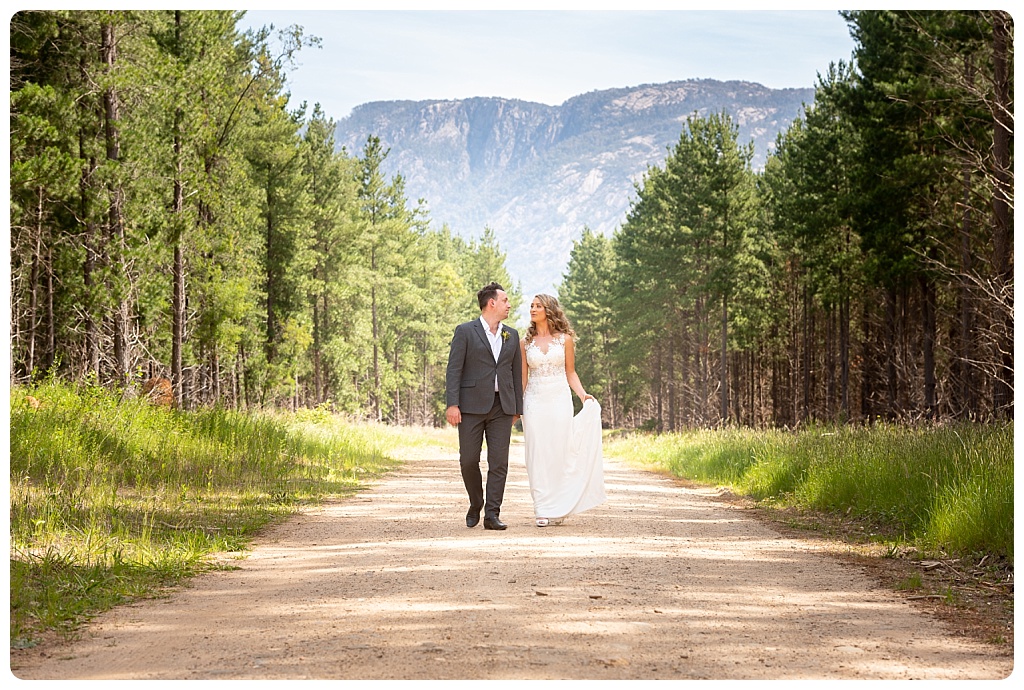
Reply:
x=542, y=522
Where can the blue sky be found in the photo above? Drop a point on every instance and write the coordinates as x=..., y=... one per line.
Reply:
x=547, y=56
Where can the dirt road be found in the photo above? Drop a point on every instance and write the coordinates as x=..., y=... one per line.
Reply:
x=660, y=582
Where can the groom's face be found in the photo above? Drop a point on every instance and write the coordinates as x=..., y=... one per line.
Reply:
x=501, y=304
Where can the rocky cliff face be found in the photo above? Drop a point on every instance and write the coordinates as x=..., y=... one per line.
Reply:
x=537, y=174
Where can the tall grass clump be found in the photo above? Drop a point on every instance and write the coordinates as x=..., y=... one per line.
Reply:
x=114, y=498
x=949, y=487
x=974, y=510
x=701, y=455
x=758, y=463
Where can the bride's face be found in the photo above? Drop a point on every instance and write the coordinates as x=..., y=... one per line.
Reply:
x=537, y=313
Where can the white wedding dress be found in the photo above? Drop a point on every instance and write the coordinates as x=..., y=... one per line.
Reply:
x=563, y=452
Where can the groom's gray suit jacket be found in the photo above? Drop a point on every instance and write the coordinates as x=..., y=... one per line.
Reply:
x=469, y=381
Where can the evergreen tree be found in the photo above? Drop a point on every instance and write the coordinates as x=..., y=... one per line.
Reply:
x=586, y=292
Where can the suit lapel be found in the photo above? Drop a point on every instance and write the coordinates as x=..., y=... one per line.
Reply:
x=479, y=327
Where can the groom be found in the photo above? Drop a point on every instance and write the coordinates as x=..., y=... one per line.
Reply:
x=484, y=393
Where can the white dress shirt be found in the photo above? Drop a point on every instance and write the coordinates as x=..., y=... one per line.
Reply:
x=495, y=340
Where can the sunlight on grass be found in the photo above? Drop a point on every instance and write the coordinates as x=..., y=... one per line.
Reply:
x=114, y=499
x=949, y=487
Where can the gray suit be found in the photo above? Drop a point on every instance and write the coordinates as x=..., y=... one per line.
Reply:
x=469, y=383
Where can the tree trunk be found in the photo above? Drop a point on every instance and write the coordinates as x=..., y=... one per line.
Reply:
x=737, y=391
x=271, y=282
x=686, y=398
x=903, y=352
x=753, y=387
x=33, y=290
x=317, y=358
x=867, y=375
x=178, y=268
x=725, y=361
x=376, y=354
x=92, y=346
x=806, y=356
x=658, y=387
x=704, y=357
x=965, y=380
x=244, y=383
x=1002, y=203
x=774, y=390
x=613, y=413
x=830, y=362
x=794, y=359
x=215, y=373
x=375, y=325
x=671, y=380
x=425, y=383
x=51, y=324
x=965, y=367
x=192, y=385
x=325, y=318
x=177, y=317
x=115, y=212
x=890, y=352
x=844, y=357
x=928, y=345
x=237, y=381
x=397, y=414
x=844, y=334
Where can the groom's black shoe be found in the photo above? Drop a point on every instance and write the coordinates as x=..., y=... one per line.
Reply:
x=493, y=523
x=472, y=518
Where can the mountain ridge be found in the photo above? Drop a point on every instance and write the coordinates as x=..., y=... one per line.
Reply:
x=536, y=174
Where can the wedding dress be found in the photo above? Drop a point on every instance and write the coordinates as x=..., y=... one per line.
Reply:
x=563, y=452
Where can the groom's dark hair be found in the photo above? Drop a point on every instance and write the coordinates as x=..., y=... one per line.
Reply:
x=487, y=293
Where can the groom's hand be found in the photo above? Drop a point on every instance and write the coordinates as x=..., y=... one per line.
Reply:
x=454, y=415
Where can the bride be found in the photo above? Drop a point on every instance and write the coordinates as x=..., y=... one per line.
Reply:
x=563, y=452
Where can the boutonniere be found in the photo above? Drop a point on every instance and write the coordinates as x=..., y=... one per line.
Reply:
x=504, y=334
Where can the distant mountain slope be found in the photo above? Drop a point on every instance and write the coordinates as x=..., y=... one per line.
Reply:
x=537, y=174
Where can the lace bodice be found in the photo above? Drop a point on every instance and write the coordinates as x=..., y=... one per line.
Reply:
x=546, y=364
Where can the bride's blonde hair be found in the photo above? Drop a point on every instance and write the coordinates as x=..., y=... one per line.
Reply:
x=557, y=321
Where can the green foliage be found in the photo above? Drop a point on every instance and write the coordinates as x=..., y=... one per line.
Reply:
x=173, y=214
x=911, y=583
x=586, y=293
x=949, y=487
x=175, y=172
x=974, y=509
x=113, y=498
x=687, y=263
x=863, y=273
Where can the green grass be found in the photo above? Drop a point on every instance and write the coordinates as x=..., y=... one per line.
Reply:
x=115, y=499
x=946, y=487
x=911, y=583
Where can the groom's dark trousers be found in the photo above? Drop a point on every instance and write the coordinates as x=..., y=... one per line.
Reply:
x=496, y=428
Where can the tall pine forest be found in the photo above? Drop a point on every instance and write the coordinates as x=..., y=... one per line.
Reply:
x=174, y=214
x=865, y=274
